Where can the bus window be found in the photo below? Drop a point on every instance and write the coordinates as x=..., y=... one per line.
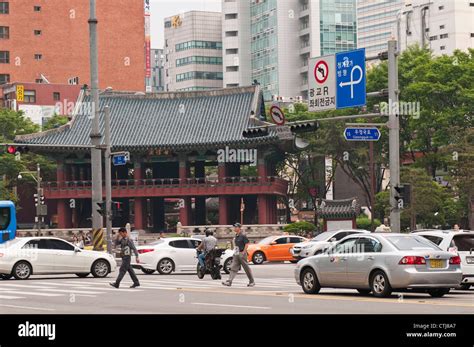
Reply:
x=4, y=218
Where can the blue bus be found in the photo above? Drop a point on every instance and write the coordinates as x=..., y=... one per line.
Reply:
x=7, y=221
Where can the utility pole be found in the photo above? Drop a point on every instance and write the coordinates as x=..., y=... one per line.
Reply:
x=394, y=134
x=372, y=185
x=108, y=179
x=95, y=135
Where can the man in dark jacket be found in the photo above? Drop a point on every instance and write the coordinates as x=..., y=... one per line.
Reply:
x=126, y=248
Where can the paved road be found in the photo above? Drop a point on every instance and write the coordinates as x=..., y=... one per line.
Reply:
x=276, y=292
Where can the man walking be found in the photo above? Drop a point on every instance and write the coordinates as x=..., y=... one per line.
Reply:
x=241, y=243
x=126, y=248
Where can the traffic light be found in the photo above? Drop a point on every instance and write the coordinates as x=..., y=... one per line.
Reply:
x=257, y=132
x=13, y=150
x=117, y=209
x=403, y=195
x=304, y=127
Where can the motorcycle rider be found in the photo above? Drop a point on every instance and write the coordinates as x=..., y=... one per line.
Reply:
x=207, y=244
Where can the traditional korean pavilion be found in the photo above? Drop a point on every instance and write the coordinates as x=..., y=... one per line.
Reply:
x=173, y=139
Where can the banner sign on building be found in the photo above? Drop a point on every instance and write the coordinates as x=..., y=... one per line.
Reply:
x=147, y=39
x=322, y=83
x=20, y=93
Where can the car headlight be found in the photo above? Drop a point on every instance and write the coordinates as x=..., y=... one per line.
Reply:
x=307, y=246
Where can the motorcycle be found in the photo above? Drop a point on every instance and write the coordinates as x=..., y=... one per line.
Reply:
x=212, y=263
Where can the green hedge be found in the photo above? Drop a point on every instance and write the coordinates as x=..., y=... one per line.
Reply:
x=300, y=228
x=364, y=223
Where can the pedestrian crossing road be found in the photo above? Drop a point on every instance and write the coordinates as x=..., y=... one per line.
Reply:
x=275, y=292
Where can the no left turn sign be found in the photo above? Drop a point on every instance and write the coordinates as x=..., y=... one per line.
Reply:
x=321, y=71
x=277, y=115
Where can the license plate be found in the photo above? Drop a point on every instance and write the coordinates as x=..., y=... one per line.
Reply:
x=436, y=263
x=470, y=260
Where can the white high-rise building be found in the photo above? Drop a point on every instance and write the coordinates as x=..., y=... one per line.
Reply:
x=441, y=25
x=193, y=51
x=377, y=24
x=270, y=41
x=237, y=64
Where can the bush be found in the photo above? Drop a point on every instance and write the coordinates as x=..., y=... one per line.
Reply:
x=364, y=223
x=301, y=228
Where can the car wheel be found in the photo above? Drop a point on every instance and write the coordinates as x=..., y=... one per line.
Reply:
x=100, y=268
x=84, y=275
x=227, y=265
x=309, y=281
x=165, y=266
x=258, y=258
x=464, y=286
x=438, y=292
x=22, y=270
x=380, y=285
x=364, y=291
x=148, y=271
x=6, y=277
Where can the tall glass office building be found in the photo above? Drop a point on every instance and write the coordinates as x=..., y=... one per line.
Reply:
x=285, y=34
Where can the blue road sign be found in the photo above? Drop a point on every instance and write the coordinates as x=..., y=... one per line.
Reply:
x=362, y=134
x=120, y=159
x=350, y=79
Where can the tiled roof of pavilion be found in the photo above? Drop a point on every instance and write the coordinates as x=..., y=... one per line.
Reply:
x=172, y=120
x=346, y=208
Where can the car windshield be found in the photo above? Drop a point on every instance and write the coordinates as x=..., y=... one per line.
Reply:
x=411, y=243
x=323, y=237
x=464, y=243
x=267, y=240
x=157, y=242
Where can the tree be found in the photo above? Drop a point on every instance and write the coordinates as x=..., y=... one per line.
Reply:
x=55, y=122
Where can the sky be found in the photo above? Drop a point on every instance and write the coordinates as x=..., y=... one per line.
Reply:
x=161, y=9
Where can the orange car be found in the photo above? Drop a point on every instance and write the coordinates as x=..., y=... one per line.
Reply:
x=273, y=248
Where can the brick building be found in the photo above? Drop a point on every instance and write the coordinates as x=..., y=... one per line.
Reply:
x=48, y=41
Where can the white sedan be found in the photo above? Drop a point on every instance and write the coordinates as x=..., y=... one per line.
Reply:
x=25, y=256
x=174, y=254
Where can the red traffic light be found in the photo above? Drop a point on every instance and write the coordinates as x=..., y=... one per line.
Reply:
x=15, y=149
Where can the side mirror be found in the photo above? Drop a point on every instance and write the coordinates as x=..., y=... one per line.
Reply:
x=333, y=239
x=77, y=250
x=273, y=243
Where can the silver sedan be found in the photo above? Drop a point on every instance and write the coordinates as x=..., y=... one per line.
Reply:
x=381, y=263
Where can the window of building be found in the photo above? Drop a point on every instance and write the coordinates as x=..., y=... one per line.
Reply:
x=442, y=48
x=443, y=36
x=56, y=96
x=232, y=51
x=38, y=56
x=198, y=44
x=168, y=24
x=232, y=68
x=39, y=80
x=37, y=8
x=433, y=38
x=440, y=8
x=30, y=96
x=199, y=60
x=4, y=7
x=199, y=75
x=231, y=33
x=441, y=27
x=472, y=34
x=4, y=57
x=4, y=78
x=37, y=32
x=4, y=32
x=231, y=16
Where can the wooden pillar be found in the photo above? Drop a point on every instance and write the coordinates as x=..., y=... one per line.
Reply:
x=223, y=200
x=64, y=214
x=140, y=203
x=185, y=213
x=200, y=201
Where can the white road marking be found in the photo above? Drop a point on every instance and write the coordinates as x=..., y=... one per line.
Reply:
x=7, y=297
x=235, y=306
x=72, y=291
x=29, y=308
x=29, y=293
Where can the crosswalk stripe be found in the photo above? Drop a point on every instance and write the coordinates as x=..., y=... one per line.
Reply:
x=111, y=289
x=60, y=284
x=72, y=291
x=24, y=286
x=30, y=293
x=7, y=297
